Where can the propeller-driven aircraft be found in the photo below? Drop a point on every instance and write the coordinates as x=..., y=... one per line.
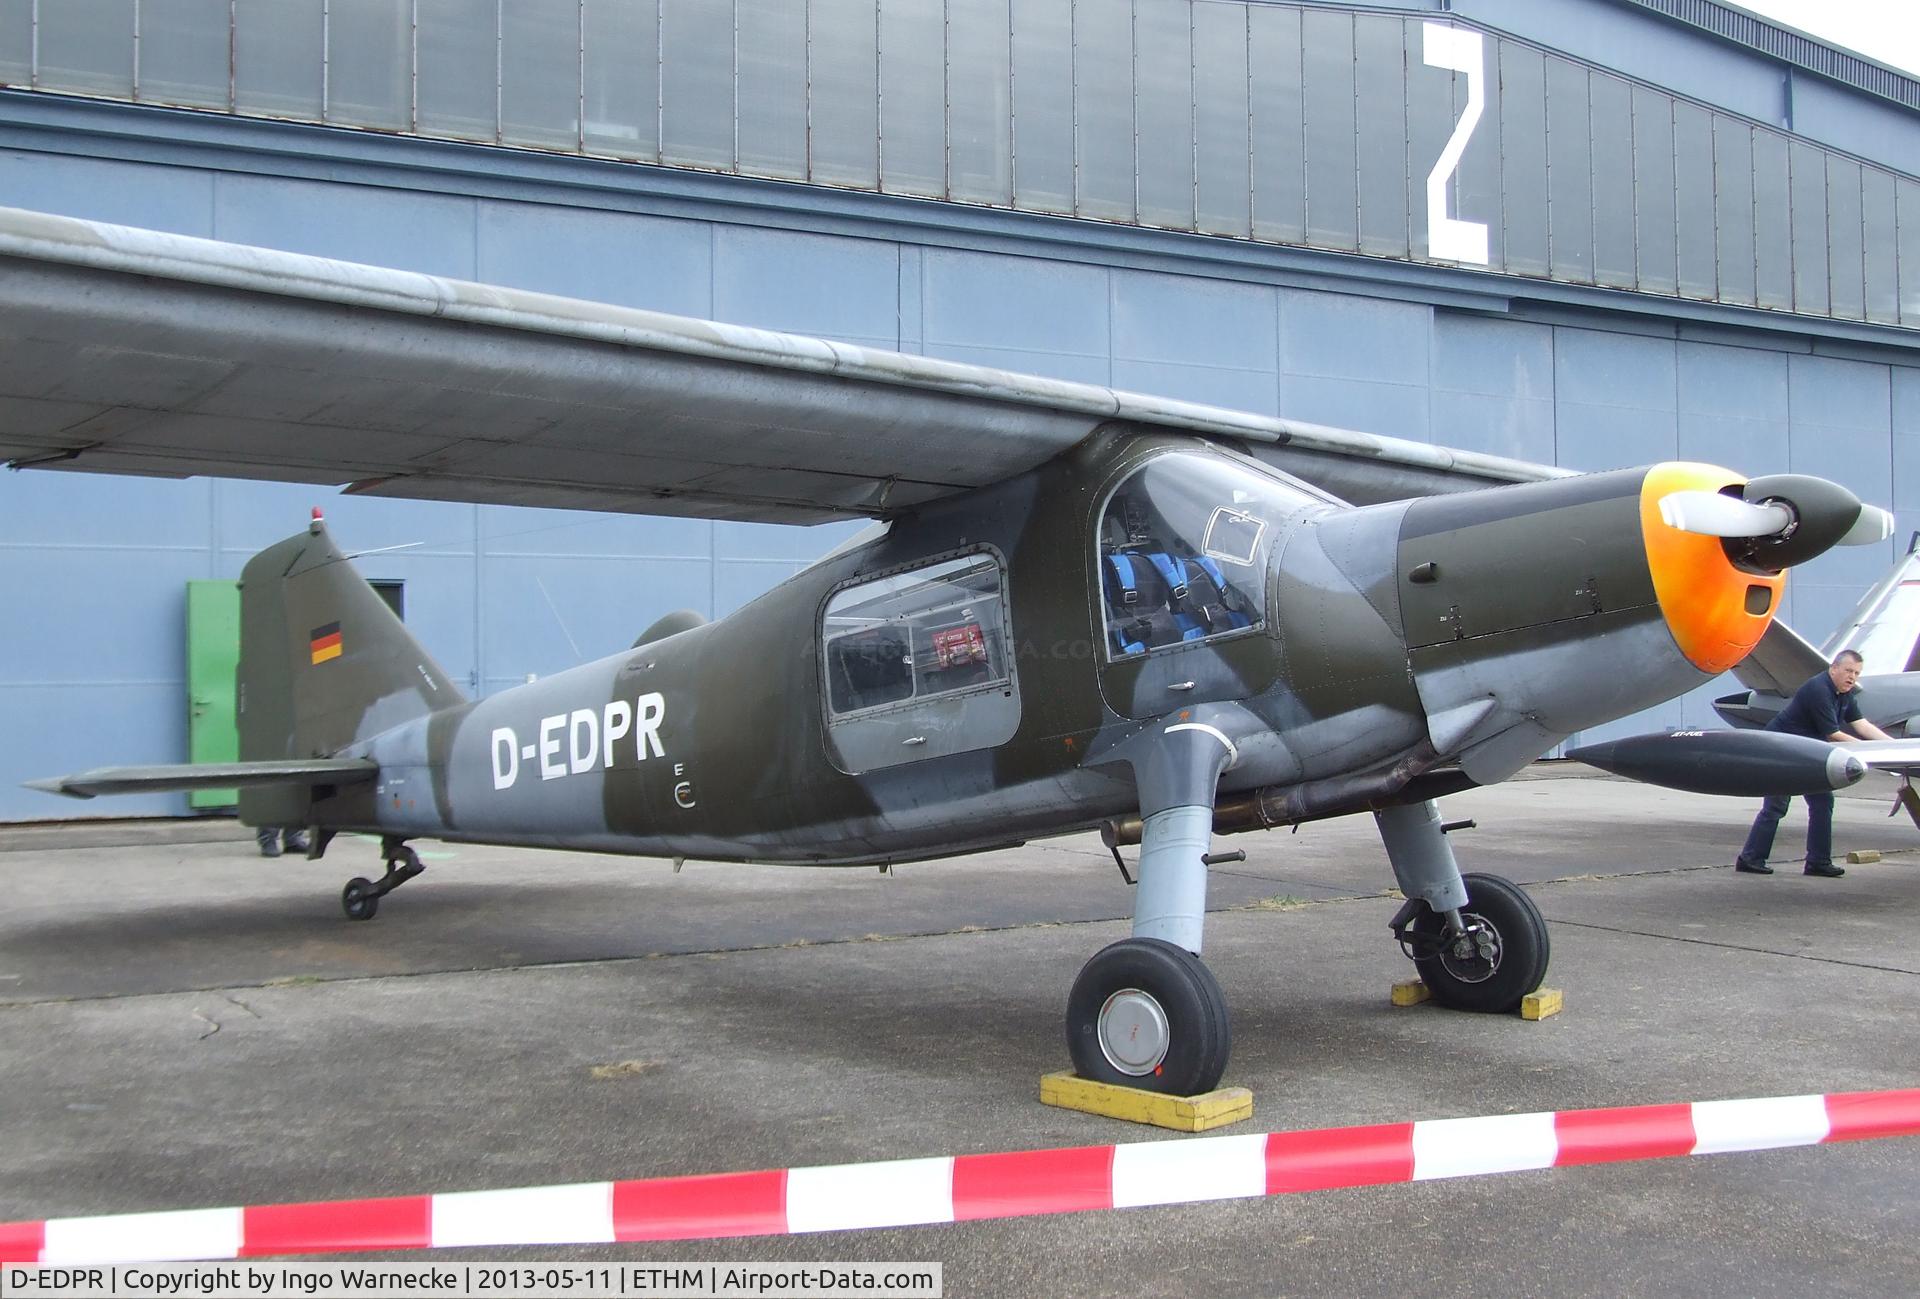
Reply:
x=1077, y=607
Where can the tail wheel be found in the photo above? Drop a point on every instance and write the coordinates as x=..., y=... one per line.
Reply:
x=1501, y=957
x=1145, y=1013
x=359, y=899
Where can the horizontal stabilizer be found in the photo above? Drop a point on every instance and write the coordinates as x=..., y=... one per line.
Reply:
x=209, y=775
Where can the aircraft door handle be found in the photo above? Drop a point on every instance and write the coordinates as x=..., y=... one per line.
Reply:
x=914, y=739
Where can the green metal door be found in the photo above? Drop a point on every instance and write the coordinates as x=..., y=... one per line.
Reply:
x=213, y=661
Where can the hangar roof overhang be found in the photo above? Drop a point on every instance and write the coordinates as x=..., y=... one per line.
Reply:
x=1789, y=45
x=108, y=130
x=1424, y=152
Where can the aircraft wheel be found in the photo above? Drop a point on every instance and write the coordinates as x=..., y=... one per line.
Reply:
x=1502, y=958
x=1145, y=1013
x=359, y=900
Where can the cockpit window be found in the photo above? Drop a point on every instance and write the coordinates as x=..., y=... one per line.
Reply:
x=912, y=636
x=1233, y=536
x=1183, y=552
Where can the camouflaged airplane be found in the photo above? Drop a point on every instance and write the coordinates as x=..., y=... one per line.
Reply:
x=1077, y=608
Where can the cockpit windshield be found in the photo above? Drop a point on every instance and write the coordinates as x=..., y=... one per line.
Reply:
x=1183, y=551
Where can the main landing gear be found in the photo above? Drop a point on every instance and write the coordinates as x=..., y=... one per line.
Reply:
x=1487, y=956
x=361, y=898
x=1146, y=1013
x=1477, y=940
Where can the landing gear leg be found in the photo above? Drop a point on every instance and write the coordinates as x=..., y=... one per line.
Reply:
x=1144, y=1012
x=1478, y=941
x=361, y=898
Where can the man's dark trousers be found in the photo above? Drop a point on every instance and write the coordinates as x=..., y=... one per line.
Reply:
x=1819, y=830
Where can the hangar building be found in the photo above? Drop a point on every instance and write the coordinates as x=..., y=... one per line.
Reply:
x=1595, y=232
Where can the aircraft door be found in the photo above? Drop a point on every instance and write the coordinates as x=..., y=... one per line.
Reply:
x=919, y=664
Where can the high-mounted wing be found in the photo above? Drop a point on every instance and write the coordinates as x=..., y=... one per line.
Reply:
x=136, y=352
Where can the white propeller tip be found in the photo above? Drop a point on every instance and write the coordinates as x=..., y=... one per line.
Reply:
x=1873, y=525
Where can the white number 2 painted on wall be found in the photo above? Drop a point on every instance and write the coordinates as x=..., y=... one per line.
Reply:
x=1465, y=52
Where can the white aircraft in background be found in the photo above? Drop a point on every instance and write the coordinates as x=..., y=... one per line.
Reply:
x=1884, y=627
x=1749, y=761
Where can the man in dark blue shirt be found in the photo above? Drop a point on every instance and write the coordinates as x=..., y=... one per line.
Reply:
x=1827, y=707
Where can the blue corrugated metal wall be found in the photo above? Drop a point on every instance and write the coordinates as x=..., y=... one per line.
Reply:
x=93, y=570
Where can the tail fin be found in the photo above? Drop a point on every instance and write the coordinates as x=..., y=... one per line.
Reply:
x=323, y=663
x=1885, y=628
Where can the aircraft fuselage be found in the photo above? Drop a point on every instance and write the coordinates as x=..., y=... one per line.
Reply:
x=969, y=679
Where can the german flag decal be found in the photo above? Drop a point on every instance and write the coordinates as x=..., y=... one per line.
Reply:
x=326, y=642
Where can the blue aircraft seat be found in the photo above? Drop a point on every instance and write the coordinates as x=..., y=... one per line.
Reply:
x=1141, y=588
x=1210, y=602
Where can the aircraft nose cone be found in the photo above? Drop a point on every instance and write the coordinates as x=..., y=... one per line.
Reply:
x=1823, y=514
x=1844, y=768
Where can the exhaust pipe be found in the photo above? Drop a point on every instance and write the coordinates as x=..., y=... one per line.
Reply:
x=1409, y=780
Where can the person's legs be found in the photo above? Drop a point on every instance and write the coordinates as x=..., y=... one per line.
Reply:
x=1759, y=845
x=1820, y=836
x=268, y=837
x=295, y=840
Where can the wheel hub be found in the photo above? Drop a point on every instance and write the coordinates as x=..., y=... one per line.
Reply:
x=1473, y=955
x=1133, y=1032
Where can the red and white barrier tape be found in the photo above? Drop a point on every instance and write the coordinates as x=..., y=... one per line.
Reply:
x=913, y=1192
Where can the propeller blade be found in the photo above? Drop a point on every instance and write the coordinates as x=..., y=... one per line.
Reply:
x=1874, y=524
x=1713, y=514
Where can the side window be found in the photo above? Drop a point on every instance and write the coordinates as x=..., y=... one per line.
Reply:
x=916, y=636
x=1183, y=552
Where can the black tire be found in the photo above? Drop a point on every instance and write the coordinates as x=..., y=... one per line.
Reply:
x=1150, y=975
x=359, y=900
x=1520, y=963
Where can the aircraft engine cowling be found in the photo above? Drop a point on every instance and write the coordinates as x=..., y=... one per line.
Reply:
x=1535, y=611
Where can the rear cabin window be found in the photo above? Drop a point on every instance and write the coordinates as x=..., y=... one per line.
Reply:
x=1183, y=552
x=917, y=635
